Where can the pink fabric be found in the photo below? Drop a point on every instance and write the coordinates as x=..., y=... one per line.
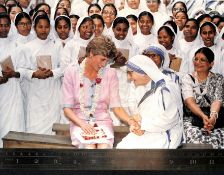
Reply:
x=109, y=97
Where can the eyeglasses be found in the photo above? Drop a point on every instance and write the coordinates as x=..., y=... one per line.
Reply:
x=28, y=24
x=202, y=60
x=152, y=55
x=109, y=12
x=179, y=9
x=151, y=1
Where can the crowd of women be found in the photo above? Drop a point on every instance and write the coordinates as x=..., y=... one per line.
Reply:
x=154, y=65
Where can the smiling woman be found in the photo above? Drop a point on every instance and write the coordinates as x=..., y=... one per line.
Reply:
x=159, y=114
x=144, y=36
x=74, y=50
x=89, y=90
x=203, y=95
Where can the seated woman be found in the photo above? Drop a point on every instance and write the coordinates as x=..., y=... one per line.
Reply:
x=89, y=89
x=160, y=109
x=203, y=96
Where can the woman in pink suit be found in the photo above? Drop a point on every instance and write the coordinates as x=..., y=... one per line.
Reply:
x=89, y=90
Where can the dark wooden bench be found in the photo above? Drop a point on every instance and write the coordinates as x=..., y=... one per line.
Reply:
x=119, y=133
x=29, y=140
x=62, y=139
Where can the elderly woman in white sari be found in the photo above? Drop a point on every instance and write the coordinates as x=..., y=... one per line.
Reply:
x=160, y=109
x=158, y=54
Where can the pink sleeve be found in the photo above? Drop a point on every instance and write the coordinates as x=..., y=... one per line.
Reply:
x=114, y=90
x=68, y=88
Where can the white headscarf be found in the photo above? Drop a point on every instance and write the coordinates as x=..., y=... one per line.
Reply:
x=71, y=34
x=216, y=39
x=220, y=40
x=77, y=33
x=153, y=26
x=197, y=12
x=123, y=43
x=142, y=64
x=161, y=51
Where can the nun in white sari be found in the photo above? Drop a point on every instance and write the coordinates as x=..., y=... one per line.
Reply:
x=209, y=37
x=145, y=35
x=160, y=109
x=11, y=101
x=76, y=47
x=39, y=62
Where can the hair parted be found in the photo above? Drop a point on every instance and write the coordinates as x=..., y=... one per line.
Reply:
x=102, y=45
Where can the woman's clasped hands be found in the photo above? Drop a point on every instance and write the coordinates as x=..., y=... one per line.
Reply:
x=42, y=73
x=135, y=125
x=209, y=123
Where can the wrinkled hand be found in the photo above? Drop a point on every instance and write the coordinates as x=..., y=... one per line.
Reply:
x=3, y=80
x=8, y=73
x=135, y=126
x=87, y=128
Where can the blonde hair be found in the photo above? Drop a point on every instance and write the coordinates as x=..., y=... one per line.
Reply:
x=102, y=45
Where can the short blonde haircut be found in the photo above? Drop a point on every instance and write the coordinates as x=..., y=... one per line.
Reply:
x=102, y=45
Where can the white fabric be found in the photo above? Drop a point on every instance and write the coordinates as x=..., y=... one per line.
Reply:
x=129, y=11
x=166, y=61
x=136, y=93
x=124, y=87
x=127, y=43
x=43, y=95
x=219, y=40
x=160, y=17
x=192, y=5
x=11, y=102
x=218, y=65
x=185, y=49
x=20, y=39
x=117, y=3
x=143, y=41
x=159, y=112
x=71, y=49
x=197, y=12
x=55, y=34
x=12, y=32
x=220, y=8
x=80, y=9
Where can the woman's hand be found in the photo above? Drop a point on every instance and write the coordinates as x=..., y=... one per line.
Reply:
x=209, y=123
x=87, y=128
x=42, y=73
x=3, y=80
x=172, y=57
x=136, y=126
x=9, y=73
x=137, y=118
